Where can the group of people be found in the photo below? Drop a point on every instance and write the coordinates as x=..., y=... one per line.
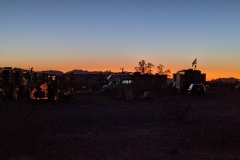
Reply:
x=47, y=91
x=13, y=93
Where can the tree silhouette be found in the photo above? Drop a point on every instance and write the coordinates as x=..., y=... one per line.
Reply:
x=161, y=71
x=122, y=69
x=144, y=67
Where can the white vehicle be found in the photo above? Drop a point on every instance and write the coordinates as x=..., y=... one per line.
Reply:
x=238, y=87
x=117, y=81
x=196, y=89
x=110, y=86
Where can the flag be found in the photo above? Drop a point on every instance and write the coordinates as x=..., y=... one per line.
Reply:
x=194, y=62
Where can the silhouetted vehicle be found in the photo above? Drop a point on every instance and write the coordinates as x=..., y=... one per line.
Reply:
x=238, y=87
x=174, y=88
x=196, y=89
x=120, y=88
x=170, y=85
x=110, y=86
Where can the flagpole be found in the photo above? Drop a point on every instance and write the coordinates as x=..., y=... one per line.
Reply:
x=195, y=64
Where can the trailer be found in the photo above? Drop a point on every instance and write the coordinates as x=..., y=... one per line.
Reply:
x=184, y=78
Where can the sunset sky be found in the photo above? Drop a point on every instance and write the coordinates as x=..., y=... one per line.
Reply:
x=100, y=35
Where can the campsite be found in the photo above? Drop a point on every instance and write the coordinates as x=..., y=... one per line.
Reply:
x=97, y=126
x=119, y=80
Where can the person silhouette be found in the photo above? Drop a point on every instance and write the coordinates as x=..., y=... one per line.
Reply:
x=39, y=94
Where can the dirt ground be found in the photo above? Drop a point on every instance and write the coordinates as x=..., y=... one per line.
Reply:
x=171, y=126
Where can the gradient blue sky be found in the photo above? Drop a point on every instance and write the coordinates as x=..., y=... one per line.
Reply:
x=109, y=34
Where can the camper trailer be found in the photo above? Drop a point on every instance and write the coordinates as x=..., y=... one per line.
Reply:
x=184, y=78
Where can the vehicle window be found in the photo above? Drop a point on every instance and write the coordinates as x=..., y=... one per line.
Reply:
x=127, y=81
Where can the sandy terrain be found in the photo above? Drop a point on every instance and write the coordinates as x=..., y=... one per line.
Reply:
x=99, y=127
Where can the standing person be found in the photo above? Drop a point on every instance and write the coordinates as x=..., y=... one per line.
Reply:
x=50, y=91
x=59, y=94
x=27, y=93
x=16, y=93
x=2, y=94
x=39, y=94
x=21, y=92
x=9, y=89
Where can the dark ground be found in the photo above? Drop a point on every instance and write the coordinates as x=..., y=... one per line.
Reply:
x=99, y=127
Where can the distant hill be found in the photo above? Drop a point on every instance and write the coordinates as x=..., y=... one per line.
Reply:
x=52, y=72
x=76, y=71
x=225, y=80
x=79, y=71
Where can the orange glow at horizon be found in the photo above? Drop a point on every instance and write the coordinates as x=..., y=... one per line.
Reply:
x=210, y=74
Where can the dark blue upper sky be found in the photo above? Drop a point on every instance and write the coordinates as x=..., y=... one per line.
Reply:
x=108, y=34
